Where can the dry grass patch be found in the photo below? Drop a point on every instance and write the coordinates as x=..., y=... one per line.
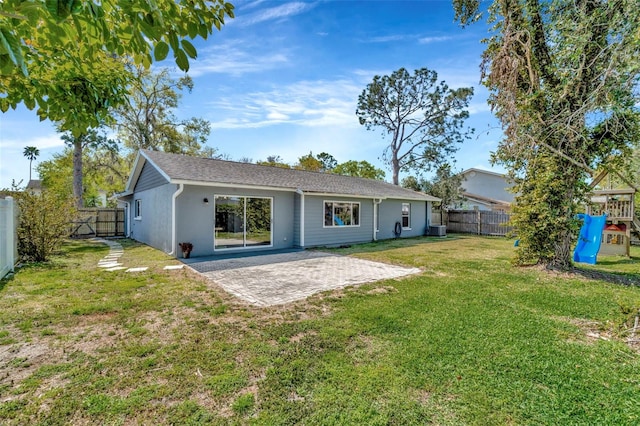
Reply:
x=471, y=340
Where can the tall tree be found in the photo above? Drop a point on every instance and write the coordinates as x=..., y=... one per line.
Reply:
x=323, y=162
x=31, y=152
x=327, y=160
x=362, y=169
x=412, y=182
x=50, y=47
x=310, y=163
x=423, y=118
x=557, y=70
x=148, y=120
x=446, y=185
x=274, y=161
x=96, y=141
x=103, y=169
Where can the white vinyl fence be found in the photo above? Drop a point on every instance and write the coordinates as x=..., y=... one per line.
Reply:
x=8, y=238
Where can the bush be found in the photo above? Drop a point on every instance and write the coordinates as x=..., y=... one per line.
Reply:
x=43, y=224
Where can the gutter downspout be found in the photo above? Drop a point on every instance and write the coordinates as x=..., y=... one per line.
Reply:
x=128, y=219
x=376, y=203
x=301, y=193
x=173, y=219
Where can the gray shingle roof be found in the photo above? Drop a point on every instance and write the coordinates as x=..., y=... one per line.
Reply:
x=196, y=170
x=34, y=184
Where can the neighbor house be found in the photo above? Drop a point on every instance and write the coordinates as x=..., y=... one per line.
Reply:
x=223, y=206
x=485, y=190
x=34, y=186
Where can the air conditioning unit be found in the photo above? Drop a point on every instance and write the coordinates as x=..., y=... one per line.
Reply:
x=438, y=231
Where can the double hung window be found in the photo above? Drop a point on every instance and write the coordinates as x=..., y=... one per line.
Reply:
x=406, y=215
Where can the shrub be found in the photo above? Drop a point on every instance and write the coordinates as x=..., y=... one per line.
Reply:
x=43, y=224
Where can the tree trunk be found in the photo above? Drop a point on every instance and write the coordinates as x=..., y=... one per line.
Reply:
x=77, y=171
x=562, y=253
x=395, y=165
x=562, y=256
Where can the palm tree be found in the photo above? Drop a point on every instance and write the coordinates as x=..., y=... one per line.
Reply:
x=31, y=152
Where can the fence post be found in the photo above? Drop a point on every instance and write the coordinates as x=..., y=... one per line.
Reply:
x=12, y=230
x=8, y=248
x=479, y=220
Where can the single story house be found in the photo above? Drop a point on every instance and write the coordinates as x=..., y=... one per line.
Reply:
x=224, y=206
x=486, y=190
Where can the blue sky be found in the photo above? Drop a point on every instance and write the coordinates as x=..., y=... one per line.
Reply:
x=283, y=78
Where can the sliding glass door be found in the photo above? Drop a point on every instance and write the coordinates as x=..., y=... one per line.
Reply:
x=242, y=222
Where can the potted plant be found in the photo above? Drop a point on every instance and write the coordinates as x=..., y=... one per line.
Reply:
x=186, y=249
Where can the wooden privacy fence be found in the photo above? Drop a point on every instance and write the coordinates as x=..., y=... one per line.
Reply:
x=100, y=222
x=8, y=239
x=478, y=222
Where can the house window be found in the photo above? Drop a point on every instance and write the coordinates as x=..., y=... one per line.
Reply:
x=406, y=216
x=242, y=222
x=137, y=209
x=340, y=213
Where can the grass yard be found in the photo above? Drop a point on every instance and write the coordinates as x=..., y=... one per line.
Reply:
x=471, y=340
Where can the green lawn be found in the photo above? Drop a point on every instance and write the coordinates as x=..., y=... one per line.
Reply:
x=471, y=340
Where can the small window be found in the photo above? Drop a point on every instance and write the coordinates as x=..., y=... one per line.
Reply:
x=137, y=212
x=406, y=216
x=340, y=213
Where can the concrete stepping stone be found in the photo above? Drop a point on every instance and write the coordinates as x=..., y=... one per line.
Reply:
x=142, y=269
x=108, y=264
x=173, y=267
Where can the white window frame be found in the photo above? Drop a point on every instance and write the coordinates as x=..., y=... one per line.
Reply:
x=137, y=209
x=324, y=203
x=407, y=215
x=244, y=233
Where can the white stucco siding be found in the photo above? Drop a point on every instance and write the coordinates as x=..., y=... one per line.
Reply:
x=390, y=212
x=153, y=225
x=195, y=218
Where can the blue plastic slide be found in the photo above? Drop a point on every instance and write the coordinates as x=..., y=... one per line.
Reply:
x=590, y=238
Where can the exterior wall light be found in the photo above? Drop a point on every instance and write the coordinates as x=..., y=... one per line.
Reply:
x=206, y=200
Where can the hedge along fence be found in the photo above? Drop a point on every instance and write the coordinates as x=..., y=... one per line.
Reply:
x=8, y=235
x=479, y=222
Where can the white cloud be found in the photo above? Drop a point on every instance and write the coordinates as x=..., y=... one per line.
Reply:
x=386, y=39
x=41, y=142
x=277, y=116
x=366, y=76
x=427, y=40
x=282, y=11
x=253, y=4
x=411, y=37
x=478, y=107
x=225, y=60
x=304, y=103
x=14, y=165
